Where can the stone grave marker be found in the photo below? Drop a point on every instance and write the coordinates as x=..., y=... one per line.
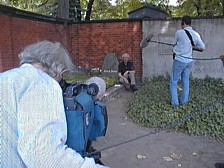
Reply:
x=110, y=64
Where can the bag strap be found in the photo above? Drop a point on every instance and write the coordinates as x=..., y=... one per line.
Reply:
x=190, y=37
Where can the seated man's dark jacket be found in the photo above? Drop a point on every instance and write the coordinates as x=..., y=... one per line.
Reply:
x=122, y=68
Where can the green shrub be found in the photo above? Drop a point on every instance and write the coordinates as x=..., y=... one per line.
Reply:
x=151, y=107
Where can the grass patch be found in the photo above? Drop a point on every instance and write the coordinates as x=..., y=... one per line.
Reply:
x=151, y=107
x=110, y=80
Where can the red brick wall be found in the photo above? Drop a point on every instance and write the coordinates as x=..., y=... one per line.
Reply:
x=16, y=33
x=88, y=43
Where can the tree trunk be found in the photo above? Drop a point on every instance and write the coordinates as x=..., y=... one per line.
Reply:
x=78, y=7
x=63, y=9
x=198, y=7
x=89, y=9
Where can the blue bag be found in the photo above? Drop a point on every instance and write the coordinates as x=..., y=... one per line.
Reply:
x=100, y=121
x=86, y=117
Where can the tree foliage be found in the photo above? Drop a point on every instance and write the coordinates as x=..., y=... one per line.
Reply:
x=46, y=7
x=200, y=8
x=104, y=9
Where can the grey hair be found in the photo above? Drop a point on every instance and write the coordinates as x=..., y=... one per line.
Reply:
x=52, y=56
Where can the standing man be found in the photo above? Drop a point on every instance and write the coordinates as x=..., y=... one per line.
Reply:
x=126, y=73
x=185, y=40
x=220, y=165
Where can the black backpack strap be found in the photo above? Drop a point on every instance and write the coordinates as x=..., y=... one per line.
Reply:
x=190, y=37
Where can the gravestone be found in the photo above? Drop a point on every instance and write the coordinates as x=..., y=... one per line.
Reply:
x=110, y=64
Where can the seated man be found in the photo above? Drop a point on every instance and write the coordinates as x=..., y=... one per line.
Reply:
x=126, y=73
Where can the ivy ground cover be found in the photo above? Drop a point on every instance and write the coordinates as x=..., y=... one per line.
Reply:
x=151, y=107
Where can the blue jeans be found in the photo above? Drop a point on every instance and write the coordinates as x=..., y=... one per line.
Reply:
x=181, y=71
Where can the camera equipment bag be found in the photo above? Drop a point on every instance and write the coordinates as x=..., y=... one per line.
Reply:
x=86, y=117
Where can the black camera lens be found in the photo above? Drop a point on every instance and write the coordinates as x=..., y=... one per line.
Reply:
x=93, y=89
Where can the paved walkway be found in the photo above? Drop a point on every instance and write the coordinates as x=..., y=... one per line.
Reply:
x=162, y=150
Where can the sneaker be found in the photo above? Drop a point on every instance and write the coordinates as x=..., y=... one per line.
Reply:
x=134, y=88
x=219, y=165
x=126, y=86
x=174, y=105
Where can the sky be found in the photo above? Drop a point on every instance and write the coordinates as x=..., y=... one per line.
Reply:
x=172, y=2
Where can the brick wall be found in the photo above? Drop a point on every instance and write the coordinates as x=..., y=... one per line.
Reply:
x=16, y=33
x=88, y=43
x=92, y=41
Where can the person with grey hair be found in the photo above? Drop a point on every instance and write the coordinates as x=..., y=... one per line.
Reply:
x=33, y=123
x=126, y=73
